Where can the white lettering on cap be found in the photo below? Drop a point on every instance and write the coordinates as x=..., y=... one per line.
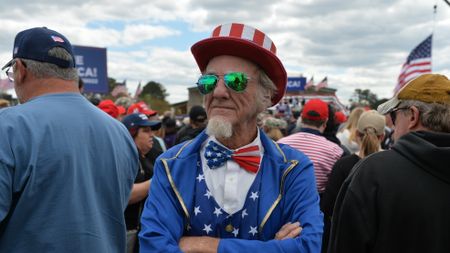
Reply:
x=143, y=116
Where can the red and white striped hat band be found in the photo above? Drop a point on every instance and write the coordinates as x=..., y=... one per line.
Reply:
x=245, y=32
x=245, y=42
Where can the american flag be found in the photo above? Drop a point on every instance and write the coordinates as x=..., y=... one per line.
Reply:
x=310, y=83
x=138, y=91
x=121, y=88
x=322, y=84
x=57, y=39
x=6, y=84
x=417, y=63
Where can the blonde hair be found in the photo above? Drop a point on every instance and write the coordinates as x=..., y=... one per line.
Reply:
x=370, y=129
x=352, y=122
x=272, y=127
x=275, y=134
x=370, y=142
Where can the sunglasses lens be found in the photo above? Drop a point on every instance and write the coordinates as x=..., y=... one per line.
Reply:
x=236, y=81
x=207, y=83
x=393, y=117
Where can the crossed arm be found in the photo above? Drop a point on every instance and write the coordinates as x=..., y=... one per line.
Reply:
x=206, y=244
x=163, y=222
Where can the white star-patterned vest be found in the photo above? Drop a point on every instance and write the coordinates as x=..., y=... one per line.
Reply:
x=208, y=219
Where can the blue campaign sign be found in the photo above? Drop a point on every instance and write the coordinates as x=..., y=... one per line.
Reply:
x=296, y=83
x=91, y=66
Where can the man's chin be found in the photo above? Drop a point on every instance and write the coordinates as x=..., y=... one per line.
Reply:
x=219, y=127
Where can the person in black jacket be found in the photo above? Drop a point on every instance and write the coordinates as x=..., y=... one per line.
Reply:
x=397, y=200
x=370, y=133
x=141, y=129
x=197, y=123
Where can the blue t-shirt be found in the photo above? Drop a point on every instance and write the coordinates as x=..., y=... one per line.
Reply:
x=66, y=171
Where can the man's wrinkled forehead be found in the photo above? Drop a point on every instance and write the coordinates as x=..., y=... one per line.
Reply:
x=225, y=64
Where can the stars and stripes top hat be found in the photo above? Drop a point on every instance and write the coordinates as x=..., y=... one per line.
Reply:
x=246, y=42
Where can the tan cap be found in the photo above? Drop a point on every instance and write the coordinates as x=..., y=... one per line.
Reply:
x=428, y=88
x=4, y=103
x=373, y=120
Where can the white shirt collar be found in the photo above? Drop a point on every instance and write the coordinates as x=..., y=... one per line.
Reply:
x=256, y=141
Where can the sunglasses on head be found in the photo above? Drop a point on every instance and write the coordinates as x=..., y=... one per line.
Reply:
x=236, y=81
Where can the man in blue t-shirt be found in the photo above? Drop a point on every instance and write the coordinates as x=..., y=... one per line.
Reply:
x=66, y=167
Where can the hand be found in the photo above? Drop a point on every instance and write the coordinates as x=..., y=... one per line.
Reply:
x=289, y=230
x=198, y=244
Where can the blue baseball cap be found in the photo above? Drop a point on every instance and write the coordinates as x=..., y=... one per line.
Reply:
x=34, y=44
x=140, y=120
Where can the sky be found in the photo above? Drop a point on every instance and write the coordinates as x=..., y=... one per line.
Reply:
x=355, y=43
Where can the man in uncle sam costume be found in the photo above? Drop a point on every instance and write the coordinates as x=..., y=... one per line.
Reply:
x=232, y=189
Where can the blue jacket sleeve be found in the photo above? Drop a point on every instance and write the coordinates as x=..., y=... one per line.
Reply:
x=162, y=221
x=301, y=203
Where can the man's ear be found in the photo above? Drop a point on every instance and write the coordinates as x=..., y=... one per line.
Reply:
x=325, y=123
x=20, y=70
x=414, y=118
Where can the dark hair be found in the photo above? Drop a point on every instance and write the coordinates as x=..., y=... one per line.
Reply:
x=80, y=83
x=315, y=123
x=133, y=131
x=332, y=127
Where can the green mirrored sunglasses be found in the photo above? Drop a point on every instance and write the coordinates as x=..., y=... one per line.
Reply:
x=236, y=81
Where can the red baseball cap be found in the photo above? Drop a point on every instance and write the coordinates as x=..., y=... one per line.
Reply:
x=340, y=117
x=121, y=109
x=315, y=109
x=246, y=42
x=109, y=107
x=141, y=107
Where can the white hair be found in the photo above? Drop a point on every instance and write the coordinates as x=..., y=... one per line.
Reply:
x=219, y=127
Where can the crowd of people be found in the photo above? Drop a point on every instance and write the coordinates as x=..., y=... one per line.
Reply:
x=116, y=176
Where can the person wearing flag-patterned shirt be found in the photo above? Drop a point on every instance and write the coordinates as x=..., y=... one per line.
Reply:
x=232, y=189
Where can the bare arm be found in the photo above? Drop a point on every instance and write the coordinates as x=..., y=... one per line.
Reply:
x=139, y=192
x=289, y=230
x=199, y=244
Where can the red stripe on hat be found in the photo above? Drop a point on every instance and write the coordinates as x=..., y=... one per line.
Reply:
x=258, y=37
x=216, y=31
x=236, y=30
x=273, y=49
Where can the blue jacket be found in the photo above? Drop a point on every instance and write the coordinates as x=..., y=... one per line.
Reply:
x=288, y=194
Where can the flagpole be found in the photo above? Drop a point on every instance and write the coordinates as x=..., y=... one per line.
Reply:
x=434, y=15
x=432, y=31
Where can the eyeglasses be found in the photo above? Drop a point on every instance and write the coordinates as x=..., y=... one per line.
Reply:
x=10, y=73
x=236, y=81
x=393, y=113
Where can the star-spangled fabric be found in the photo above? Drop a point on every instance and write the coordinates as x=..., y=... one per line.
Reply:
x=208, y=219
x=248, y=158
